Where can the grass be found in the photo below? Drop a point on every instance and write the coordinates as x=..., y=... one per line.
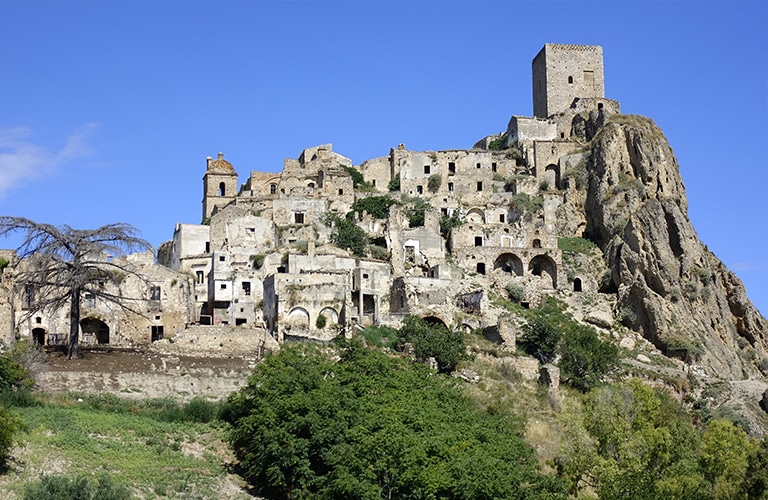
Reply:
x=141, y=445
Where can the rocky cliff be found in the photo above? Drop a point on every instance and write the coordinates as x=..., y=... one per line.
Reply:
x=627, y=196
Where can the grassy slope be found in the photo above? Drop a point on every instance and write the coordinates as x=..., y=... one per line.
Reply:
x=155, y=458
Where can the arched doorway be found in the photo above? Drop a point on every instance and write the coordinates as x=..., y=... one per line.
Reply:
x=576, y=284
x=544, y=266
x=508, y=263
x=38, y=336
x=299, y=317
x=96, y=328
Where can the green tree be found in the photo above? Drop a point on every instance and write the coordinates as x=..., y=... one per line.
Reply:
x=633, y=442
x=434, y=182
x=372, y=426
x=432, y=340
x=347, y=234
x=584, y=358
x=541, y=337
x=376, y=206
x=725, y=452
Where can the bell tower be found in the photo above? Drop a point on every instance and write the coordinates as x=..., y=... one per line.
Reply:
x=219, y=185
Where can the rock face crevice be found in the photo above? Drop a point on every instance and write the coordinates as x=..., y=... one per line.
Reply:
x=670, y=287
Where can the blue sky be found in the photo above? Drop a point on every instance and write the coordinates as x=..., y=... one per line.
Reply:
x=109, y=108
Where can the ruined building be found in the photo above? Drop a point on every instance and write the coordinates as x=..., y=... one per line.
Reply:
x=455, y=229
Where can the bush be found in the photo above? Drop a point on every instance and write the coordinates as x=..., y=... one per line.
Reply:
x=381, y=336
x=346, y=234
x=8, y=427
x=200, y=410
x=541, y=337
x=374, y=426
x=394, y=184
x=414, y=211
x=499, y=143
x=521, y=202
x=376, y=206
x=576, y=245
x=434, y=182
x=516, y=292
x=434, y=341
x=584, y=358
x=79, y=487
x=448, y=222
x=321, y=321
x=257, y=260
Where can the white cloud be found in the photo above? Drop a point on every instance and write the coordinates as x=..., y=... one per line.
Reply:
x=23, y=161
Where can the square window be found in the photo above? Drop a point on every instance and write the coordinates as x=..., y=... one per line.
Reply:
x=298, y=217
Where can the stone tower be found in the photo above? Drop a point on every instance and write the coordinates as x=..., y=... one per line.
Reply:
x=562, y=73
x=219, y=185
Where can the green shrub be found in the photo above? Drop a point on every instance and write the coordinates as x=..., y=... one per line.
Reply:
x=576, y=245
x=200, y=410
x=521, y=202
x=321, y=321
x=414, y=211
x=499, y=143
x=376, y=206
x=358, y=181
x=378, y=252
x=540, y=337
x=448, y=222
x=381, y=336
x=3, y=264
x=584, y=358
x=77, y=487
x=346, y=234
x=434, y=182
x=257, y=260
x=434, y=341
x=516, y=292
x=394, y=184
x=8, y=427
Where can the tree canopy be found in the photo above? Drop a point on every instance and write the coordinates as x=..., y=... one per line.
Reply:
x=59, y=264
x=373, y=426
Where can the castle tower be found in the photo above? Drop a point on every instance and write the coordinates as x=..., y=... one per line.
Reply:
x=562, y=73
x=219, y=185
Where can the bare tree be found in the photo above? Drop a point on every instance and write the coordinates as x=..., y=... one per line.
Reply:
x=58, y=264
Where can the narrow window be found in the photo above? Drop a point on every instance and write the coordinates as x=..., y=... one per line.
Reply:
x=536, y=243
x=478, y=165
x=599, y=105
x=273, y=189
x=38, y=320
x=479, y=186
x=419, y=189
x=501, y=217
x=222, y=189
x=426, y=169
x=298, y=218
x=373, y=182
x=246, y=287
x=493, y=167
x=200, y=277
x=450, y=186
x=154, y=293
x=570, y=79
x=207, y=247
x=478, y=241
x=90, y=300
x=451, y=168
x=562, y=135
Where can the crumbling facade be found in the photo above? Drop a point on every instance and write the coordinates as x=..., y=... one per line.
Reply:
x=460, y=228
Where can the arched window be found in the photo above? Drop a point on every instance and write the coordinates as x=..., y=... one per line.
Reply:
x=222, y=189
x=570, y=79
x=273, y=189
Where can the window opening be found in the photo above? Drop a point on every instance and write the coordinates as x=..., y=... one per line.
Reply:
x=298, y=217
x=451, y=168
x=154, y=292
x=426, y=169
x=478, y=241
x=479, y=186
x=246, y=287
x=222, y=189
x=480, y=268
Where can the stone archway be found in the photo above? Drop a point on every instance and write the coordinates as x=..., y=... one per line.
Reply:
x=95, y=327
x=545, y=267
x=299, y=317
x=38, y=336
x=434, y=320
x=331, y=314
x=508, y=263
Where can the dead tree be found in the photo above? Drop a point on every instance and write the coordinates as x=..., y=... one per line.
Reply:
x=58, y=264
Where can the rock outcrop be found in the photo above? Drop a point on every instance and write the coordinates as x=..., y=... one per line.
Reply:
x=670, y=287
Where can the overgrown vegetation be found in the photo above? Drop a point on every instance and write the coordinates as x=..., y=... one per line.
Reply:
x=448, y=222
x=434, y=182
x=374, y=426
x=376, y=206
x=522, y=203
x=358, y=181
x=346, y=234
x=576, y=245
x=414, y=210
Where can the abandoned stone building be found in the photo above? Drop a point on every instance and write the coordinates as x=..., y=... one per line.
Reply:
x=461, y=225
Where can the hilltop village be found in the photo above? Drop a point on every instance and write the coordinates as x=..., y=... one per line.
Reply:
x=326, y=246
